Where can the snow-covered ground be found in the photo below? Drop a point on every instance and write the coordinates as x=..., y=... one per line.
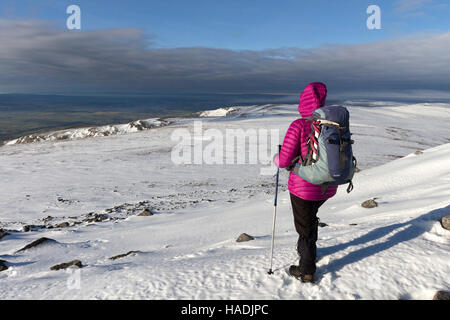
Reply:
x=188, y=251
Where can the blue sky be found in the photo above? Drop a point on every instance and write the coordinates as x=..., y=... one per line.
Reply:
x=251, y=24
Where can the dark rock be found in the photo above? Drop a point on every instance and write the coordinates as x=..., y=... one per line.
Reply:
x=124, y=255
x=96, y=217
x=145, y=213
x=445, y=221
x=3, y=234
x=63, y=225
x=322, y=225
x=31, y=227
x=353, y=224
x=3, y=266
x=369, y=203
x=36, y=243
x=62, y=200
x=244, y=237
x=394, y=156
x=418, y=152
x=101, y=217
x=74, y=263
x=47, y=219
x=442, y=295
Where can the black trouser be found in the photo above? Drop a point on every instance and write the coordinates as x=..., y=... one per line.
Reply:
x=306, y=224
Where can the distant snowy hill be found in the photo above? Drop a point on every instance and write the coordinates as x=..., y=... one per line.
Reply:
x=86, y=194
x=82, y=133
x=221, y=112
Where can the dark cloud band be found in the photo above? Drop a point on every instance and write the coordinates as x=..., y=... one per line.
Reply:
x=35, y=56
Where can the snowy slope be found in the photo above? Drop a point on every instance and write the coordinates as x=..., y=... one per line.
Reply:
x=188, y=248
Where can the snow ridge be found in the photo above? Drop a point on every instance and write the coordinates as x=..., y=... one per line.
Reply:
x=89, y=132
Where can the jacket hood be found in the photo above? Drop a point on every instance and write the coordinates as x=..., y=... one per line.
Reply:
x=313, y=97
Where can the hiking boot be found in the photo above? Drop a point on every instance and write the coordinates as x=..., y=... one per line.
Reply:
x=296, y=273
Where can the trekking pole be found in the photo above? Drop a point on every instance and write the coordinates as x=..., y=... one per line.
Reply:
x=274, y=214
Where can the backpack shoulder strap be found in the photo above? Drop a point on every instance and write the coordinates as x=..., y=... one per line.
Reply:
x=324, y=188
x=299, y=156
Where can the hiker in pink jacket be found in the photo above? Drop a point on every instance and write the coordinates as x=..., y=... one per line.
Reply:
x=306, y=198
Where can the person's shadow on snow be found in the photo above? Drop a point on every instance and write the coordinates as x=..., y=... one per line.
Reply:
x=411, y=229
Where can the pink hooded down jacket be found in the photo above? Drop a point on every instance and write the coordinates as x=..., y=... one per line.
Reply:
x=312, y=98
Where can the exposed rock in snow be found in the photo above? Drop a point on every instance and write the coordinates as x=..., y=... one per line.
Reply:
x=442, y=295
x=62, y=266
x=95, y=217
x=244, y=237
x=3, y=234
x=62, y=200
x=28, y=228
x=47, y=219
x=145, y=213
x=445, y=221
x=371, y=203
x=37, y=243
x=3, y=266
x=62, y=225
x=124, y=255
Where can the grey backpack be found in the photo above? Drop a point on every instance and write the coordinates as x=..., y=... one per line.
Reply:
x=329, y=160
